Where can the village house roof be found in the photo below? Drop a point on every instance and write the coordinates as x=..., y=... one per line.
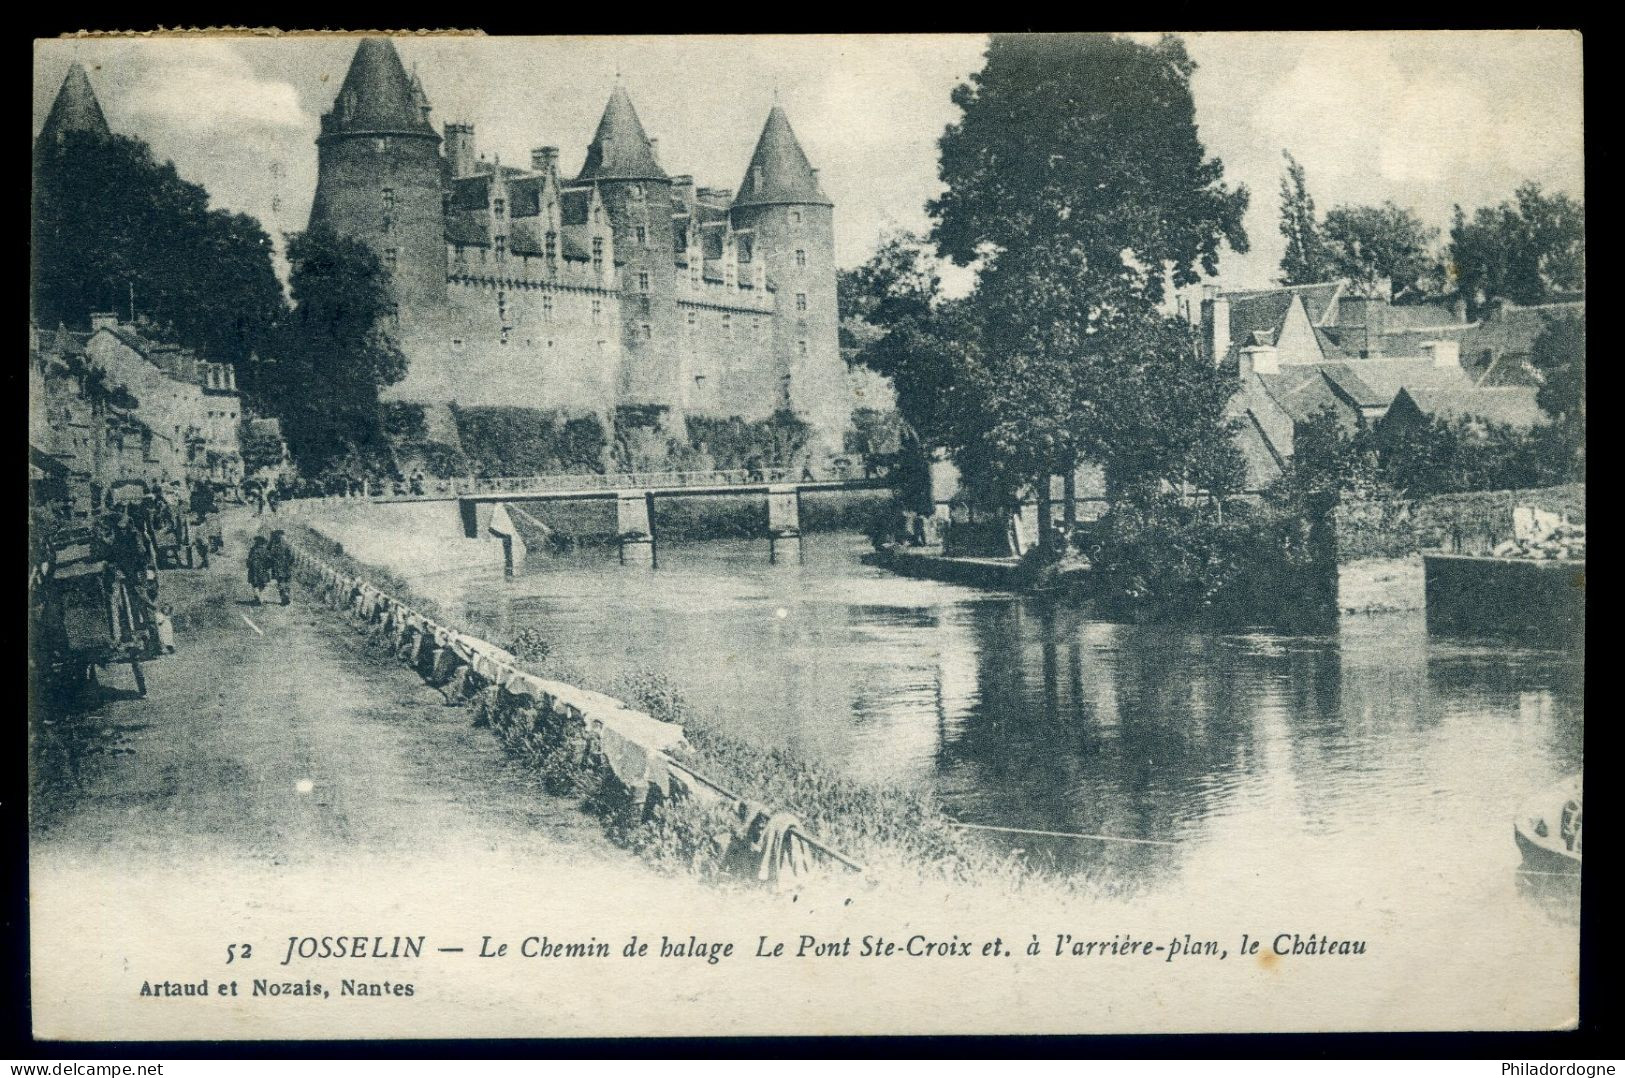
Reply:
x=1513, y=406
x=619, y=149
x=75, y=108
x=779, y=171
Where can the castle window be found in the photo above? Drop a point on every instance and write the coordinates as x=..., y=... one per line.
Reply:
x=504, y=338
x=547, y=310
x=389, y=224
x=597, y=214
x=389, y=199
x=643, y=282
x=694, y=273
x=598, y=253
x=499, y=207
x=456, y=344
x=391, y=256
x=801, y=259
x=597, y=311
x=502, y=247
x=693, y=323
x=643, y=236
x=756, y=325
x=795, y=217
x=395, y=315
x=801, y=301
x=637, y=192
x=699, y=381
x=379, y=145
x=728, y=326
x=552, y=245
x=502, y=304
x=646, y=331
x=801, y=348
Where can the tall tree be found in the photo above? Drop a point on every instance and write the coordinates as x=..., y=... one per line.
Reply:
x=1523, y=250
x=114, y=229
x=1076, y=179
x=1383, y=250
x=333, y=354
x=1305, y=260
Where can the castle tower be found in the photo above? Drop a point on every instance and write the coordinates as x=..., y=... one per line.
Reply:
x=75, y=109
x=793, y=221
x=378, y=181
x=636, y=194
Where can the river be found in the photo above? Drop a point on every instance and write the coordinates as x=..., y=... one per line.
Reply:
x=1378, y=745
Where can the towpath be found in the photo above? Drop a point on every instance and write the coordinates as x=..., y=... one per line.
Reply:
x=271, y=736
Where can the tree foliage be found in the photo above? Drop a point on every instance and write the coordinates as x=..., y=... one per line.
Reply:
x=1523, y=250
x=1306, y=260
x=1088, y=144
x=333, y=354
x=114, y=228
x=1379, y=247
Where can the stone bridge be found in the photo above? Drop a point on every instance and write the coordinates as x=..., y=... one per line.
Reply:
x=484, y=512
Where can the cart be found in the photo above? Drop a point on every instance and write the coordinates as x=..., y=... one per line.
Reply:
x=101, y=619
x=172, y=540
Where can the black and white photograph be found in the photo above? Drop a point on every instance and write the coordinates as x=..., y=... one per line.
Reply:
x=805, y=535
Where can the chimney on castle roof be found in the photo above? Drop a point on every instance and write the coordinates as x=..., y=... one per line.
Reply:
x=544, y=158
x=459, y=143
x=103, y=320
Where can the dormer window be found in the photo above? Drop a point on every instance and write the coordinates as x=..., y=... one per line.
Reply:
x=693, y=273
x=499, y=207
x=547, y=311
x=389, y=199
x=643, y=282
x=728, y=326
x=552, y=245
x=597, y=311
x=643, y=236
x=795, y=218
x=801, y=302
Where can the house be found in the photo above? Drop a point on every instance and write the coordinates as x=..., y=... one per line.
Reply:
x=189, y=404
x=1303, y=350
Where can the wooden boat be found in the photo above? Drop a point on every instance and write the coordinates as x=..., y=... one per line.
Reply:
x=1547, y=829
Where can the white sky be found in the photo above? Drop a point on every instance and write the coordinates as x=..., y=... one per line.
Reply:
x=1427, y=119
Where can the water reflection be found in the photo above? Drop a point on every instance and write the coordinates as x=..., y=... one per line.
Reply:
x=1377, y=750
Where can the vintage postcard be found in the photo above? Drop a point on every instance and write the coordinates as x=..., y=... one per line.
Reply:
x=718, y=536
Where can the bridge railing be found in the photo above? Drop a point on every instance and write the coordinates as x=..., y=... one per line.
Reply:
x=440, y=489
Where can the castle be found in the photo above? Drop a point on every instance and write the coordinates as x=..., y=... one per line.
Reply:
x=622, y=286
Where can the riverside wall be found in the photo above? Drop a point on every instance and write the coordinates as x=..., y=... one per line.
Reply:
x=1380, y=542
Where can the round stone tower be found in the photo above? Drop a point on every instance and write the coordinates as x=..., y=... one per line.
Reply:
x=792, y=221
x=378, y=179
x=636, y=193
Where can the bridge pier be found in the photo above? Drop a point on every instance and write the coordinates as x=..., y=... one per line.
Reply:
x=513, y=544
x=635, y=524
x=784, y=523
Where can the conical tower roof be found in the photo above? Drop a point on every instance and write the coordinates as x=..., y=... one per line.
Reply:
x=75, y=108
x=377, y=95
x=620, y=150
x=779, y=171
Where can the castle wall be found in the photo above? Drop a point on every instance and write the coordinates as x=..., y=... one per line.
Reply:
x=510, y=338
x=730, y=364
x=639, y=212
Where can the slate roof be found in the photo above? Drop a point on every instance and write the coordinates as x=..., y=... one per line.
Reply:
x=779, y=171
x=620, y=150
x=1303, y=392
x=468, y=228
x=1514, y=406
x=575, y=205
x=471, y=192
x=1388, y=376
x=75, y=108
x=377, y=95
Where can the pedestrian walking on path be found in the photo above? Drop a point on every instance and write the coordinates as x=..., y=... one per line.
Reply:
x=259, y=568
x=279, y=555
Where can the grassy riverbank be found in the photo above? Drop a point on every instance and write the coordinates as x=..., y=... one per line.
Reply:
x=890, y=828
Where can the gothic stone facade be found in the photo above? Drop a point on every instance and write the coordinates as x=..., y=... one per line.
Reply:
x=624, y=285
